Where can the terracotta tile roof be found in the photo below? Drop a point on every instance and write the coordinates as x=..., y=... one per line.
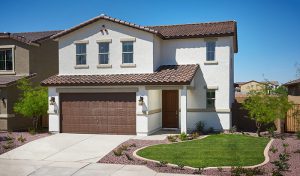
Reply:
x=296, y=81
x=164, y=75
x=7, y=80
x=196, y=30
x=29, y=37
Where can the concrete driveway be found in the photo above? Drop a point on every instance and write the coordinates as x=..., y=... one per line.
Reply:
x=67, y=147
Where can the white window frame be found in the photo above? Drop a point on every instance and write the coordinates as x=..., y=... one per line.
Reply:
x=108, y=55
x=12, y=47
x=210, y=51
x=81, y=54
x=214, y=99
x=125, y=41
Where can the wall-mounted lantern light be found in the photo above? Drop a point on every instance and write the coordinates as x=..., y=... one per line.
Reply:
x=52, y=101
x=141, y=101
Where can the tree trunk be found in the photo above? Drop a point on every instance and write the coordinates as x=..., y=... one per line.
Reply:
x=35, y=120
x=258, y=126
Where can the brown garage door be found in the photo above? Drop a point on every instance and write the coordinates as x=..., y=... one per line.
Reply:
x=109, y=113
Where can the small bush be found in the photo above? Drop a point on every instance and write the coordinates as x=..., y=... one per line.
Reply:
x=183, y=136
x=172, y=138
x=128, y=157
x=21, y=139
x=273, y=149
x=276, y=173
x=195, y=135
x=118, y=152
x=220, y=169
x=180, y=165
x=132, y=145
x=200, y=126
x=271, y=131
x=282, y=163
x=233, y=129
x=31, y=131
x=124, y=147
x=237, y=171
x=9, y=138
x=163, y=163
x=199, y=171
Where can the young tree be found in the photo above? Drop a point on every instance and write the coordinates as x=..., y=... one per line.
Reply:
x=265, y=108
x=33, y=101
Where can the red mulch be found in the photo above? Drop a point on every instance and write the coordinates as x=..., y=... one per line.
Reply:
x=5, y=137
x=291, y=140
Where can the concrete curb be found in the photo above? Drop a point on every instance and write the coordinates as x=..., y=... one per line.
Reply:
x=266, y=155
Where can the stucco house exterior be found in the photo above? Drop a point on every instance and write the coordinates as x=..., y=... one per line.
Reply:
x=293, y=87
x=117, y=77
x=31, y=55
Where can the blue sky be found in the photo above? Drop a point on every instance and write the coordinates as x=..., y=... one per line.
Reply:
x=268, y=31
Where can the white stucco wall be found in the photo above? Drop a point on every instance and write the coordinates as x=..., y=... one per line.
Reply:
x=53, y=111
x=143, y=49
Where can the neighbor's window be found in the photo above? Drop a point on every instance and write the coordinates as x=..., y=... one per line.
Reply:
x=210, y=98
x=103, y=53
x=210, y=50
x=6, y=59
x=81, y=54
x=127, y=52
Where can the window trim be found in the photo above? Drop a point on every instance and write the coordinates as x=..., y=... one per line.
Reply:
x=132, y=63
x=85, y=54
x=12, y=47
x=214, y=99
x=108, y=54
x=207, y=51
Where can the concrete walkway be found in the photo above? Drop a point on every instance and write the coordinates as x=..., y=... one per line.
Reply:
x=71, y=154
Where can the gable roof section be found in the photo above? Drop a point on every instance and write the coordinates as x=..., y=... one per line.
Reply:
x=180, y=31
x=7, y=80
x=275, y=83
x=164, y=75
x=30, y=38
x=296, y=81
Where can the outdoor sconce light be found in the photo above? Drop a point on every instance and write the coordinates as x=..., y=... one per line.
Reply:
x=52, y=101
x=141, y=100
x=3, y=100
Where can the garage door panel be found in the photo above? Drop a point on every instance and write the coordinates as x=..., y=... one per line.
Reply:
x=112, y=113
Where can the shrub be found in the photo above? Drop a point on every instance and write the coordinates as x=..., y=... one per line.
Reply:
x=9, y=138
x=271, y=131
x=276, y=173
x=237, y=171
x=128, y=157
x=200, y=126
x=195, y=135
x=118, y=152
x=220, y=169
x=233, y=129
x=273, y=149
x=132, y=145
x=199, y=171
x=124, y=147
x=282, y=163
x=21, y=139
x=180, y=165
x=163, y=163
x=31, y=131
x=183, y=136
x=172, y=138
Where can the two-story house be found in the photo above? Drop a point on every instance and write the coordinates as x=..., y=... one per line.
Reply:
x=117, y=77
x=31, y=55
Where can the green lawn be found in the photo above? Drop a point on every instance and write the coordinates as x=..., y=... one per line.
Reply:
x=212, y=151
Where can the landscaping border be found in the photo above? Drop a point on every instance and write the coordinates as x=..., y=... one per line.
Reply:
x=266, y=155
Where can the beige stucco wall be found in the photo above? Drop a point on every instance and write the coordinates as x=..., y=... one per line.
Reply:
x=245, y=88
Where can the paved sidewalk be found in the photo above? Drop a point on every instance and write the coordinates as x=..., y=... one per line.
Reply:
x=52, y=168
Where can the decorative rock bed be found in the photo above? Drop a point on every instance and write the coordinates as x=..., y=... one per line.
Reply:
x=128, y=158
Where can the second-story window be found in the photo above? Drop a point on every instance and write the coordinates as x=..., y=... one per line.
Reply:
x=81, y=54
x=210, y=98
x=103, y=53
x=127, y=52
x=210, y=50
x=6, y=59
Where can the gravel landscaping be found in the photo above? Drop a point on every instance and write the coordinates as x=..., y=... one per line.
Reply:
x=293, y=144
x=11, y=140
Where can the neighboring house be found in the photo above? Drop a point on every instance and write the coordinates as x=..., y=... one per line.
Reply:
x=117, y=77
x=31, y=55
x=293, y=87
x=245, y=87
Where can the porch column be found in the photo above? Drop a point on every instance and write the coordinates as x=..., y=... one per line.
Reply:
x=183, y=107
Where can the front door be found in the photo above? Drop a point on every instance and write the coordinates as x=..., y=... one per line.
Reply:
x=170, y=108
